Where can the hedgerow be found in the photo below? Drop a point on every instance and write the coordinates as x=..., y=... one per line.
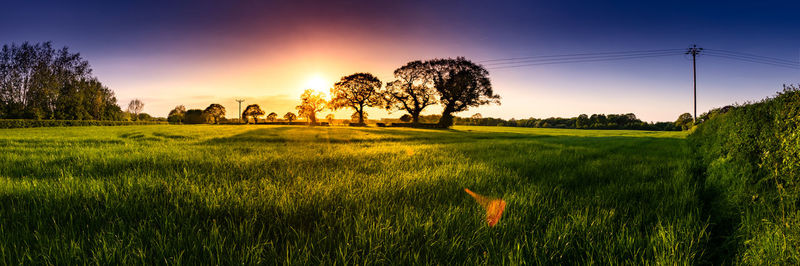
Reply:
x=751, y=161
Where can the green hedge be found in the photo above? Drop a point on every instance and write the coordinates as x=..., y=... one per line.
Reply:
x=750, y=157
x=22, y=123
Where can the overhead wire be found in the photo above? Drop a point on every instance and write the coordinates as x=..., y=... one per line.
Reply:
x=515, y=62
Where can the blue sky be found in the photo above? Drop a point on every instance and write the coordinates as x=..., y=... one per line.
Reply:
x=198, y=52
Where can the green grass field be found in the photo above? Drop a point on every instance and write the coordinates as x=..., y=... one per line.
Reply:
x=333, y=195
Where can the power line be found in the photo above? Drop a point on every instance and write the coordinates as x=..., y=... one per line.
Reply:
x=559, y=59
x=581, y=54
x=754, y=56
x=578, y=61
x=745, y=59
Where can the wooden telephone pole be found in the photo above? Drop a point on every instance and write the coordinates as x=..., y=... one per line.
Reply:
x=694, y=51
x=240, y=109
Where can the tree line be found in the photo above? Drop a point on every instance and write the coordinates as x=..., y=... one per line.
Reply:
x=456, y=84
x=39, y=82
x=583, y=121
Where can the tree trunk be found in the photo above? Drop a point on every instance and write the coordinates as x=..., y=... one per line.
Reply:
x=447, y=117
x=415, y=119
x=312, y=120
x=361, y=116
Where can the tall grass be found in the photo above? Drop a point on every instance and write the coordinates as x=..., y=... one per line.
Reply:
x=297, y=195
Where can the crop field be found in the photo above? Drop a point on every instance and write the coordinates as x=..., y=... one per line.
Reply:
x=181, y=194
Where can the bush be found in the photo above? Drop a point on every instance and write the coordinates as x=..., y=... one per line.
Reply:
x=750, y=155
x=24, y=123
x=194, y=116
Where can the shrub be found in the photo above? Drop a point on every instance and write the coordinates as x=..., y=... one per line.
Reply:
x=194, y=116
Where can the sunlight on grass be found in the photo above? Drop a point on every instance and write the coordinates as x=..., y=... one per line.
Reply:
x=324, y=195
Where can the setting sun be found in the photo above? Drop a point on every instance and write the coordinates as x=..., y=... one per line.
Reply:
x=316, y=82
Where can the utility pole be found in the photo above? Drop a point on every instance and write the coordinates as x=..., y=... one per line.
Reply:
x=694, y=51
x=240, y=109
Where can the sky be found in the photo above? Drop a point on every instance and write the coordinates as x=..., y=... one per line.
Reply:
x=195, y=53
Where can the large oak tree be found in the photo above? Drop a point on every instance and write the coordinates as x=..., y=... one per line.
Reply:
x=357, y=91
x=461, y=84
x=412, y=91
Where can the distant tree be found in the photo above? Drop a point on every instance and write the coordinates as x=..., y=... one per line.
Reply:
x=144, y=117
x=215, y=111
x=310, y=104
x=476, y=118
x=177, y=114
x=598, y=121
x=406, y=118
x=272, y=117
x=253, y=111
x=135, y=107
x=461, y=84
x=685, y=121
x=329, y=117
x=582, y=121
x=290, y=117
x=194, y=116
x=412, y=91
x=356, y=91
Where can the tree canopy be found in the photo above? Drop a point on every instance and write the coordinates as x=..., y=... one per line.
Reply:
x=215, y=111
x=40, y=82
x=357, y=91
x=177, y=114
x=310, y=104
x=685, y=121
x=289, y=116
x=461, y=84
x=412, y=91
x=272, y=117
x=253, y=111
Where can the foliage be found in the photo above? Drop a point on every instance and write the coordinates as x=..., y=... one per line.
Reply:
x=329, y=117
x=289, y=116
x=583, y=121
x=310, y=104
x=194, y=116
x=252, y=111
x=685, y=121
x=407, y=118
x=750, y=155
x=356, y=91
x=39, y=82
x=272, y=117
x=412, y=91
x=215, y=111
x=144, y=117
x=177, y=114
x=461, y=84
x=25, y=123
